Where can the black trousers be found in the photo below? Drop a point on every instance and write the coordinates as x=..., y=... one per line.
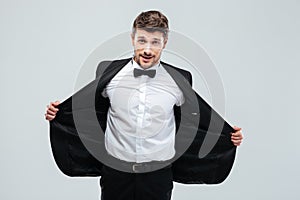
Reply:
x=119, y=185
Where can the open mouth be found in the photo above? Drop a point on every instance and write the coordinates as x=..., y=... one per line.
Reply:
x=146, y=58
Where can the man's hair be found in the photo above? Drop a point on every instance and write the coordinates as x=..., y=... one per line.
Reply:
x=151, y=21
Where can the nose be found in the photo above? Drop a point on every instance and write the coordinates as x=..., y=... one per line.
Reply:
x=147, y=50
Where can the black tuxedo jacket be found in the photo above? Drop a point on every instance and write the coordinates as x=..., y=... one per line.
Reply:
x=197, y=126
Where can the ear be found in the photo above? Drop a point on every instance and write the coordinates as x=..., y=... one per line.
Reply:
x=132, y=38
x=165, y=42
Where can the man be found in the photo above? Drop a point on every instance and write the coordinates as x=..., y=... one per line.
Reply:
x=143, y=101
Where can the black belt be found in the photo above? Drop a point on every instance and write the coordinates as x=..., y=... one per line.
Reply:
x=148, y=167
x=133, y=167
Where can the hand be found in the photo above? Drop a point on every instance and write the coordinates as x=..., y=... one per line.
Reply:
x=51, y=110
x=237, y=136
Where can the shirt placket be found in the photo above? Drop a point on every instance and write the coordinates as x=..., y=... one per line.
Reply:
x=141, y=115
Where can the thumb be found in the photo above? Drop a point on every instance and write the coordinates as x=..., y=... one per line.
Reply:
x=237, y=128
x=56, y=103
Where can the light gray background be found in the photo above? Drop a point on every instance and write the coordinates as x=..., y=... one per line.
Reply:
x=254, y=44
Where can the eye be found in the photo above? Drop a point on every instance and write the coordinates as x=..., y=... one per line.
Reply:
x=141, y=41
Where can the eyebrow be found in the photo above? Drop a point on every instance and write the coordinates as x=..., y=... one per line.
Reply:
x=143, y=37
x=157, y=39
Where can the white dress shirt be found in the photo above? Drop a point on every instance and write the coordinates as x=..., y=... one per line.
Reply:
x=140, y=121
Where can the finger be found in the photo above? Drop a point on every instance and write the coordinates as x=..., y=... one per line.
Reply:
x=52, y=108
x=53, y=104
x=234, y=134
x=237, y=142
x=50, y=112
x=56, y=103
x=237, y=134
x=49, y=117
x=236, y=138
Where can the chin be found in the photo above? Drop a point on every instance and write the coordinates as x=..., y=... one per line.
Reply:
x=146, y=65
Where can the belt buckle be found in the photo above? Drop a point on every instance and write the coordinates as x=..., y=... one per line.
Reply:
x=135, y=165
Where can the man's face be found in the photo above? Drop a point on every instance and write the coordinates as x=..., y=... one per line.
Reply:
x=147, y=47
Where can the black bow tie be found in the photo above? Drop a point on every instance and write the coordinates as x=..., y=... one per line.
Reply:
x=139, y=72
